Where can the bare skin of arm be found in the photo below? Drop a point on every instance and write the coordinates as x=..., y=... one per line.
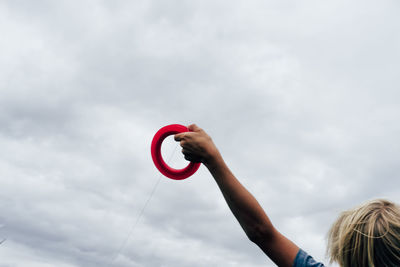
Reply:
x=197, y=146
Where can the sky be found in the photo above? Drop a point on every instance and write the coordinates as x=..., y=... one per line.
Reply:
x=300, y=97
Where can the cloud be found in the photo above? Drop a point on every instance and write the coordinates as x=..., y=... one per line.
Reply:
x=301, y=99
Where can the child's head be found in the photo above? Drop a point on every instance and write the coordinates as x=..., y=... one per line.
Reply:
x=368, y=235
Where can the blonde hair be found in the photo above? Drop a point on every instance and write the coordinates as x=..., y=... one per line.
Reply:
x=368, y=235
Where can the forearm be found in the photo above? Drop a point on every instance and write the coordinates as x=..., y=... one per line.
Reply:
x=242, y=203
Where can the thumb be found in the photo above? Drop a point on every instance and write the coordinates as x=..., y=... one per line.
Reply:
x=194, y=128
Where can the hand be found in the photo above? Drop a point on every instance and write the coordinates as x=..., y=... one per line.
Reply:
x=197, y=145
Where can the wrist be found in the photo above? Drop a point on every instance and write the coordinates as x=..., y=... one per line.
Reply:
x=213, y=160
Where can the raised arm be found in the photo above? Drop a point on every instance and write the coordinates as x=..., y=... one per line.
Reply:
x=198, y=146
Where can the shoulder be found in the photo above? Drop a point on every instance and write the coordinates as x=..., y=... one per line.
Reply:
x=304, y=260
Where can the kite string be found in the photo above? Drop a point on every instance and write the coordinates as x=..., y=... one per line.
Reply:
x=142, y=211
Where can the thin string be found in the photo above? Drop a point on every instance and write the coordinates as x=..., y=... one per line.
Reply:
x=3, y=239
x=142, y=211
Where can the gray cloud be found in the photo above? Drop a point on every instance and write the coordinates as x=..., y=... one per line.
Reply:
x=301, y=99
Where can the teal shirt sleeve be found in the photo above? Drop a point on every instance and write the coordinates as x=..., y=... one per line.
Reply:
x=304, y=260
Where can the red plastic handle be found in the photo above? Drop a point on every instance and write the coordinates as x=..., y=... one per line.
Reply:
x=166, y=170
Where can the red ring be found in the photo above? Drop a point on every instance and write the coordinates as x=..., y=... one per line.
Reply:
x=172, y=173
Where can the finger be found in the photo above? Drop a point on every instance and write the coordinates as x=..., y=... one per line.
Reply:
x=182, y=143
x=192, y=158
x=180, y=136
x=187, y=151
x=194, y=128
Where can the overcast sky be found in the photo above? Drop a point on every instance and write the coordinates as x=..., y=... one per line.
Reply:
x=301, y=98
